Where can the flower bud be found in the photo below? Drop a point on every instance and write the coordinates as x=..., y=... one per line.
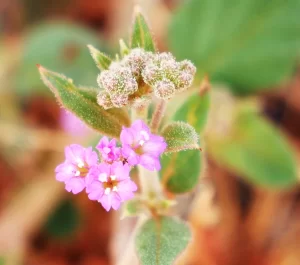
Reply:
x=119, y=100
x=136, y=61
x=184, y=81
x=118, y=80
x=187, y=67
x=164, y=89
x=151, y=74
x=104, y=100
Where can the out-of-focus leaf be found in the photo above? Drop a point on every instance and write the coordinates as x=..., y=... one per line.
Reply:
x=257, y=151
x=180, y=171
x=141, y=35
x=58, y=46
x=84, y=105
x=249, y=44
x=159, y=242
x=64, y=221
x=133, y=207
x=102, y=61
x=124, y=50
x=180, y=136
x=194, y=111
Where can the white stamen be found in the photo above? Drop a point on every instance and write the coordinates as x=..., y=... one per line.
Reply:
x=77, y=173
x=107, y=191
x=113, y=177
x=142, y=142
x=145, y=134
x=102, y=177
x=80, y=163
x=115, y=188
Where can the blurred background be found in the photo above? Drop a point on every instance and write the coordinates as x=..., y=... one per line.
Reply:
x=251, y=47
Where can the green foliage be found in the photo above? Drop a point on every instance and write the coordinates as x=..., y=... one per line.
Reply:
x=141, y=35
x=249, y=44
x=180, y=171
x=132, y=207
x=257, y=151
x=160, y=241
x=83, y=104
x=58, y=46
x=124, y=50
x=180, y=136
x=64, y=221
x=194, y=111
x=102, y=61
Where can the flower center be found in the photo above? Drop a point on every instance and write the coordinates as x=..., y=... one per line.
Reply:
x=82, y=169
x=144, y=138
x=109, y=183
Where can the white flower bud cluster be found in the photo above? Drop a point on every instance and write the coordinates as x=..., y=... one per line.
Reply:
x=121, y=79
x=136, y=61
x=167, y=76
x=160, y=71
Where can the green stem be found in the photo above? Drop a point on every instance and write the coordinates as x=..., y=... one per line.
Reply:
x=150, y=183
x=158, y=115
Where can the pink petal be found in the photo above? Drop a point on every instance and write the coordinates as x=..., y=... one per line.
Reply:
x=155, y=146
x=150, y=162
x=74, y=152
x=126, y=136
x=75, y=185
x=121, y=171
x=106, y=202
x=95, y=191
x=115, y=201
x=130, y=155
x=126, y=189
x=65, y=171
x=90, y=157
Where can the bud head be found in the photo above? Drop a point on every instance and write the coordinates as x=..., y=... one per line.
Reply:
x=104, y=100
x=164, y=89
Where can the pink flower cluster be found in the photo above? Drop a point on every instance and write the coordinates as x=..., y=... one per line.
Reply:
x=108, y=181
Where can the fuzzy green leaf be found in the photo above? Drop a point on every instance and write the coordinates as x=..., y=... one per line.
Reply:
x=180, y=171
x=256, y=151
x=102, y=61
x=180, y=136
x=141, y=36
x=84, y=105
x=250, y=44
x=159, y=242
x=194, y=111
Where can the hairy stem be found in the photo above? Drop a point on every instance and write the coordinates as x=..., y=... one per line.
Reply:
x=158, y=115
x=150, y=183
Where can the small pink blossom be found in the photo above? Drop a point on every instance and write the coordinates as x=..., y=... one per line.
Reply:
x=110, y=185
x=109, y=150
x=140, y=146
x=76, y=167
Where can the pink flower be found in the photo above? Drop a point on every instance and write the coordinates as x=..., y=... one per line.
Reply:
x=76, y=167
x=110, y=185
x=109, y=150
x=140, y=146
